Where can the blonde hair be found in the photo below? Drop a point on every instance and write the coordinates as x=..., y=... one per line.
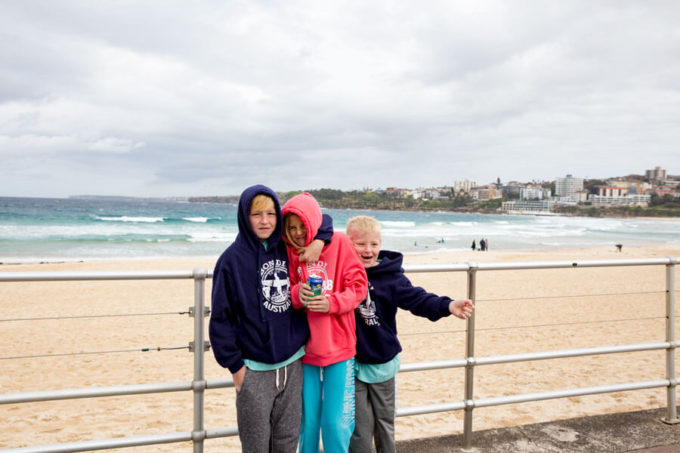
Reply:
x=261, y=201
x=286, y=223
x=363, y=224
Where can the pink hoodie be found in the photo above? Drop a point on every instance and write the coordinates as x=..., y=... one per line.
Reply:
x=333, y=335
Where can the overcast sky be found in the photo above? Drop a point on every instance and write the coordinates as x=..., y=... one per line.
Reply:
x=178, y=98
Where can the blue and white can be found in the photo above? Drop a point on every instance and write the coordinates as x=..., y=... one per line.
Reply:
x=316, y=283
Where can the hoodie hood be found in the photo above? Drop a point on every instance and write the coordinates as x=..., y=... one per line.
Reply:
x=307, y=208
x=246, y=236
x=389, y=262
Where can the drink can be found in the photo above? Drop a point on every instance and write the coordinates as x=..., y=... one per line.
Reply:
x=315, y=282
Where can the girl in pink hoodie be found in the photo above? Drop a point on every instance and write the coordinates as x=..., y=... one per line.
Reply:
x=328, y=364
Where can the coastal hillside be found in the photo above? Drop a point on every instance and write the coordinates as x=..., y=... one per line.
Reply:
x=461, y=202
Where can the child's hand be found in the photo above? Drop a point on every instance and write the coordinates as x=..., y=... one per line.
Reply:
x=318, y=304
x=238, y=378
x=461, y=308
x=311, y=252
x=305, y=293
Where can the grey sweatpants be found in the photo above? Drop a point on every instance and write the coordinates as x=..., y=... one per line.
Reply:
x=375, y=411
x=269, y=410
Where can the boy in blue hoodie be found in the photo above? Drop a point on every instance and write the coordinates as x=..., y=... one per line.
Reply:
x=254, y=331
x=377, y=360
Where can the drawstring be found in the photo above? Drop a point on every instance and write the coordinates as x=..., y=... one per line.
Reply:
x=285, y=378
x=367, y=301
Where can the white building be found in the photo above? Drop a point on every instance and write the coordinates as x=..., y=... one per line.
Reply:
x=463, y=186
x=536, y=207
x=617, y=196
x=658, y=174
x=534, y=192
x=627, y=200
x=568, y=187
x=415, y=194
x=612, y=191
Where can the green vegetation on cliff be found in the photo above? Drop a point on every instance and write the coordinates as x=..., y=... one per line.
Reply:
x=337, y=199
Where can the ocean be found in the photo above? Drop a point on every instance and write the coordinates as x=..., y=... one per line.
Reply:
x=74, y=229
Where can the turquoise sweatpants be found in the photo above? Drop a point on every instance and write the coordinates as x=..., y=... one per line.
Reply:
x=327, y=406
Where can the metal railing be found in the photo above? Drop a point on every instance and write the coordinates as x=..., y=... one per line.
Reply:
x=199, y=384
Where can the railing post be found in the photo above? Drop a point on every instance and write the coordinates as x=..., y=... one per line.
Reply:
x=469, y=356
x=198, y=434
x=671, y=410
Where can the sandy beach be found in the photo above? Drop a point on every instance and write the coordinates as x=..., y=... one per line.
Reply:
x=97, y=330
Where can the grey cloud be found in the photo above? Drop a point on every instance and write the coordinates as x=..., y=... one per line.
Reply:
x=178, y=98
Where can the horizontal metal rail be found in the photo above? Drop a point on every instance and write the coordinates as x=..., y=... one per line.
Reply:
x=430, y=409
x=504, y=266
x=118, y=390
x=531, y=356
x=435, y=365
x=418, y=268
x=530, y=397
x=105, y=444
x=124, y=442
x=66, y=276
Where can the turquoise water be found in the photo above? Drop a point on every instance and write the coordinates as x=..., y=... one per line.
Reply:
x=41, y=229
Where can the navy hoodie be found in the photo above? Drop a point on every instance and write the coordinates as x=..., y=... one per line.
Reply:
x=252, y=316
x=376, y=317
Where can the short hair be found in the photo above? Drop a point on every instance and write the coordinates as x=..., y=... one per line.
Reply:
x=261, y=201
x=363, y=224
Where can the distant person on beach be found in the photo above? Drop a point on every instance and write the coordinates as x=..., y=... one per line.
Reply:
x=254, y=331
x=474, y=245
x=482, y=245
x=486, y=244
x=619, y=247
x=328, y=363
x=378, y=348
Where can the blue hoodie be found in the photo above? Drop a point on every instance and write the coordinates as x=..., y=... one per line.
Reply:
x=252, y=316
x=376, y=317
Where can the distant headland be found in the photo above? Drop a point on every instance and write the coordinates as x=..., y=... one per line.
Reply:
x=654, y=194
x=651, y=195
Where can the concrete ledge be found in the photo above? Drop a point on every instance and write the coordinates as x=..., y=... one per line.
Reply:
x=641, y=431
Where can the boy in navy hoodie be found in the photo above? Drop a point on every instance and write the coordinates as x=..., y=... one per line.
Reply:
x=377, y=360
x=254, y=331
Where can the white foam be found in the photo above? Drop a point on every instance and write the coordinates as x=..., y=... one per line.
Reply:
x=398, y=224
x=125, y=218
x=211, y=236
x=196, y=219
